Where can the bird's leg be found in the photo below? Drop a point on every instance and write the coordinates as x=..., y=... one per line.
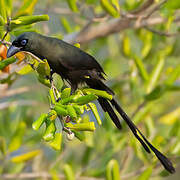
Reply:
x=55, y=91
x=73, y=88
x=50, y=76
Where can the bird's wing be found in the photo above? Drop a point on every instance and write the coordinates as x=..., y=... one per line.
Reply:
x=74, y=58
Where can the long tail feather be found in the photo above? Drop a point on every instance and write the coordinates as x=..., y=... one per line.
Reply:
x=106, y=106
x=163, y=159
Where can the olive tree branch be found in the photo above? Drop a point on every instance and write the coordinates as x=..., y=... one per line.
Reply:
x=138, y=19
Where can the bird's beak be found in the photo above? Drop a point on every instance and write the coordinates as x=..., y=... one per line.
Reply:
x=12, y=51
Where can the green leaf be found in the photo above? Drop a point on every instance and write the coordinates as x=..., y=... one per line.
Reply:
x=116, y=4
x=57, y=81
x=50, y=130
x=112, y=170
x=3, y=9
x=66, y=93
x=71, y=112
x=44, y=81
x=132, y=4
x=27, y=8
x=2, y=22
x=2, y=145
x=156, y=93
x=72, y=5
x=79, y=109
x=173, y=76
x=60, y=110
x=172, y=5
x=126, y=46
x=56, y=142
x=89, y=126
x=6, y=62
x=108, y=7
x=51, y=94
x=77, y=45
x=140, y=66
x=69, y=174
x=43, y=68
x=155, y=73
x=66, y=25
x=17, y=137
x=147, y=39
x=146, y=174
x=171, y=117
x=85, y=99
x=22, y=29
x=25, y=70
x=78, y=135
x=95, y=112
x=100, y=93
x=52, y=115
x=8, y=7
x=25, y=156
x=71, y=99
x=175, y=129
x=176, y=148
x=38, y=123
x=27, y=20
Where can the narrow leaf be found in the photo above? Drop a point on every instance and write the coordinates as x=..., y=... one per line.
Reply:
x=89, y=126
x=6, y=62
x=27, y=8
x=56, y=142
x=95, y=112
x=38, y=123
x=25, y=70
x=108, y=7
x=69, y=174
x=141, y=68
x=50, y=130
x=26, y=156
x=100, y=93
x=146, y=174
x=112, y=170
x=173, y=76
x=26, y=20
x=66, y=93
x=155, y=73
x=72, y=5
x=171, y=117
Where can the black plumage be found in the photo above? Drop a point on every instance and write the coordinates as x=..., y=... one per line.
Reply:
x=74, y=65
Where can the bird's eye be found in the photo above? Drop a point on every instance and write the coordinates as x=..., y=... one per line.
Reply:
x=23, y=42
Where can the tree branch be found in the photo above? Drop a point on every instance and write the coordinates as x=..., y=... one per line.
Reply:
x=111, y=27
x=44, y=175
x=134, y=20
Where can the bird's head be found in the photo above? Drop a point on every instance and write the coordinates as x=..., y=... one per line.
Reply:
x=24, y=42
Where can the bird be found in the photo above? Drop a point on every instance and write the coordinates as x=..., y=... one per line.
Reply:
x=76, y=67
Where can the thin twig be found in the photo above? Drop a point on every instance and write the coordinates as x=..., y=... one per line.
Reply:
x=145, y=6
x=155, y=8
x=138, y=108
x=43, y=175
x=14, y=92
x=18, y=103
x=5, y=42
x=160, y=33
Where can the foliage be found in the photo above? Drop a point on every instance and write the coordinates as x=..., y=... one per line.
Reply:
x=142, y=67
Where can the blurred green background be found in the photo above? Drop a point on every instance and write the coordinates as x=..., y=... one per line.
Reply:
x=141, y=59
